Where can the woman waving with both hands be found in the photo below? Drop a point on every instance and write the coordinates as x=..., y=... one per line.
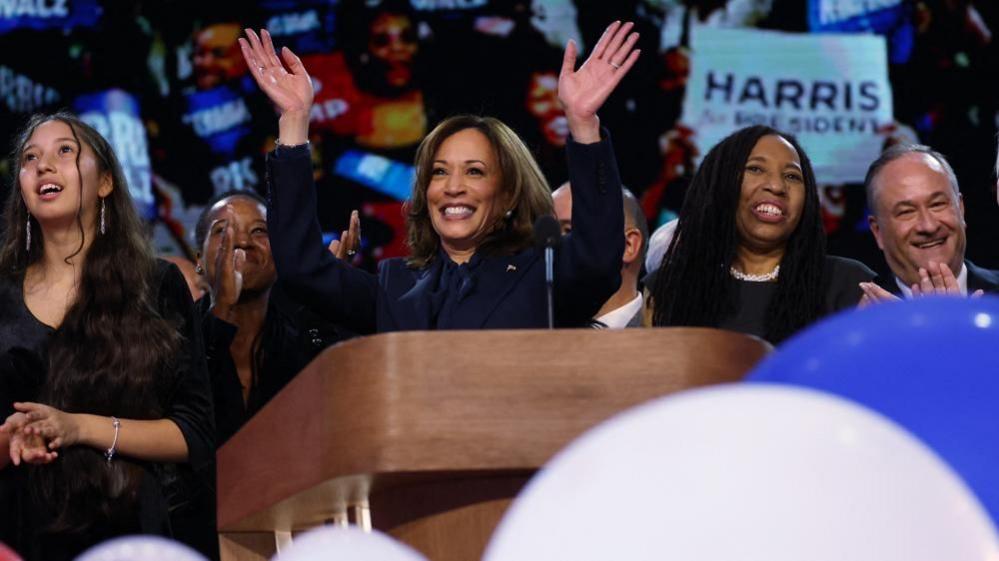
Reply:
x=470, y=217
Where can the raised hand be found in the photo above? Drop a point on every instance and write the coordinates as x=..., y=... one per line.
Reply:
x=287, y=84
x=582, y=92
x=346, y=247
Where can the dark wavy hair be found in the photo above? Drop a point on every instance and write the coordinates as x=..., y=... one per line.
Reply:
x=522, y=182
x=693, y=286
x=112, y=354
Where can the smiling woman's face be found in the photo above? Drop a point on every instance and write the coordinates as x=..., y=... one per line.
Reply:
x=464, y=194
x=772, y=197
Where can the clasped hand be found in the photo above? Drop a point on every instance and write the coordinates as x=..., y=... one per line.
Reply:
x=37, y=431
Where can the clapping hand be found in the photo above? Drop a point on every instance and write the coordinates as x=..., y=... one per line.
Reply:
x=935, y=279
x=346, y=247
x=582, y=92
x=227, y=283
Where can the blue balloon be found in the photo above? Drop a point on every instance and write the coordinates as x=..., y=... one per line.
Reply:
x=931, y=365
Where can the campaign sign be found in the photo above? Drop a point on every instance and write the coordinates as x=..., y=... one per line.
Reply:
x=48, y=14
x=115, y=114
x=304, y=26
x=885, y=17
x=219, y=116
x=829, y=90
x=879, y=16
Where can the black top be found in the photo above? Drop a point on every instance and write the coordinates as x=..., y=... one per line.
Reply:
x=290, y=338
x=840, y=277
x=180, y=499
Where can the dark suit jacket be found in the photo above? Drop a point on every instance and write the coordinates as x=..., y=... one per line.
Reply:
x=509, y=290
x=986, y=280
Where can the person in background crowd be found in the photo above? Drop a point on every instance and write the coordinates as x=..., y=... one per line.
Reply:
x=477, y=194
x=918, y=223
x=216, y=55
x=115, y=436
x=255, y=341
x=195, y=283
x=749, y=251
x=624, y=308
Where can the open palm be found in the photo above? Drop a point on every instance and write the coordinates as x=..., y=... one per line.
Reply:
x=583, y=91
x=287, y=85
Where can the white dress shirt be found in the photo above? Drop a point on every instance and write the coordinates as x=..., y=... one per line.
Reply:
x=620, y=317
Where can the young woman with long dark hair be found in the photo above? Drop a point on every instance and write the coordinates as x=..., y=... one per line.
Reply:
x=108, y=429
x=749, y=251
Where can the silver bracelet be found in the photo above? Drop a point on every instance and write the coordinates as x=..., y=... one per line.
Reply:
x=114, y=444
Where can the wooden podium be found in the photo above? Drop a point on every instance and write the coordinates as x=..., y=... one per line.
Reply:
x=428, y=435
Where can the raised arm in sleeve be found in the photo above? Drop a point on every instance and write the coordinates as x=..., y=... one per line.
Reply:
x=339, y=293
x=588, y=264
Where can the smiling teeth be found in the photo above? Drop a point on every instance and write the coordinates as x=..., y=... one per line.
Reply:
x=769, y=209
x=455, y=210
x=927, y=245
x=50, y=188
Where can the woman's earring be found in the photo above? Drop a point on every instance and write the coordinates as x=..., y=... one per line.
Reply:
x=198, y=269
x=103, y=223
x=508, y=214
x=27, y=239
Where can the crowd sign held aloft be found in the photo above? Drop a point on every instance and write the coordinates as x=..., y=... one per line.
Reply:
x=831, y=91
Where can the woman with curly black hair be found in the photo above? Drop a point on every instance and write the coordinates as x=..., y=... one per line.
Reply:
x=109, y=428
x=749, y=251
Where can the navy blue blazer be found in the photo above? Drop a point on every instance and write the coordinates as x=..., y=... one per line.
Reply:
x=509, y=291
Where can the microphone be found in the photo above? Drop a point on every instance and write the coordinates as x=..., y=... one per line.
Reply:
x=548, y=235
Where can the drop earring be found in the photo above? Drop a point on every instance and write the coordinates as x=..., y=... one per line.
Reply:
x=103, y=223
x=27, y=239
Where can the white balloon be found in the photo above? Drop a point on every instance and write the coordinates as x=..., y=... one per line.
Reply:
x=140, y=548
x=746, y=473
x=334, y=543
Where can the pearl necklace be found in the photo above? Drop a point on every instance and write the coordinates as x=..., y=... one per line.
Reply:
x=766, y=277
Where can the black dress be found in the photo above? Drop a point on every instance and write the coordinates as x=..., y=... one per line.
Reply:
x=289, y=339
x=841, y=278
x=176, y=500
